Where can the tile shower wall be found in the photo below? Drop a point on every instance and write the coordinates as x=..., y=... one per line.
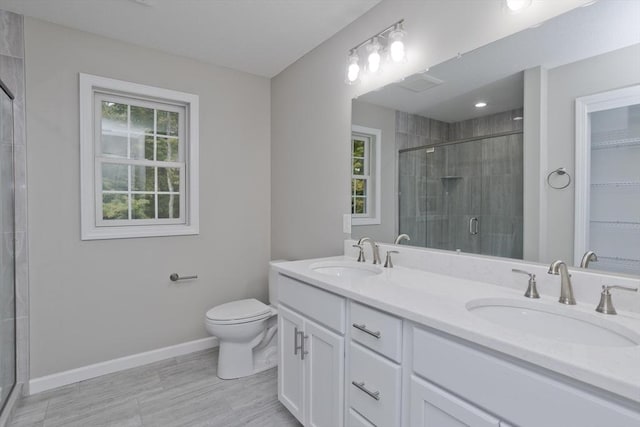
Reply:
x=12, y=73
x=441, y=191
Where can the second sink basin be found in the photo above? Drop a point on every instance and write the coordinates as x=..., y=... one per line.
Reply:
x=556, y=323
x=345, y=269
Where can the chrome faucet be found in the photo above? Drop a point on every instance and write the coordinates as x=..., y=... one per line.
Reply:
x=400, y=238
x=566, y=290
x=374, y=248
x=587, y=258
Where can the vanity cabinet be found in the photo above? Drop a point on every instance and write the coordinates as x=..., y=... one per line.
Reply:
x=510, y=389
x=345, y=363
x=311, y=364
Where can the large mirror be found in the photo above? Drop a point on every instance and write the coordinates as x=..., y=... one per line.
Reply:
x=487, y=153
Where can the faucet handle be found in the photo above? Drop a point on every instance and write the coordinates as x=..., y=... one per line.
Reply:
x=606, y=304
x=387, y=261
x=361, y=253
x=532, y=290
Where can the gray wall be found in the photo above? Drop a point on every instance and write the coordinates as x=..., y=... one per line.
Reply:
x=599, y=74
x=374, y=116
x=12, y=74
x=310, y=108
x=97, y=300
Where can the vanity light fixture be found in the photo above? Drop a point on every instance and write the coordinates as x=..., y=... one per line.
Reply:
x=516, y=6
x=481, y=104
x=388, y=44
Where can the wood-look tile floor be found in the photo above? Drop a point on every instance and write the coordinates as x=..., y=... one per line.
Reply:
x=179, y=392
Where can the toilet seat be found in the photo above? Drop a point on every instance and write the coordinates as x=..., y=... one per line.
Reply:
x=241, y=311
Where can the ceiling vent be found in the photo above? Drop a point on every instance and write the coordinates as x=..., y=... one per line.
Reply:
x=420, y=83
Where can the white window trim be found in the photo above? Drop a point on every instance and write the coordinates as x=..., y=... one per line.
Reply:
x=373, y=217
x=90, y=230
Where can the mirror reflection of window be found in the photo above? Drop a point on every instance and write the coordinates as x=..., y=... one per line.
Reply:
x=365, y=175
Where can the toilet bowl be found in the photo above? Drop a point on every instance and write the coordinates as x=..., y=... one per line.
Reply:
x=246, y=331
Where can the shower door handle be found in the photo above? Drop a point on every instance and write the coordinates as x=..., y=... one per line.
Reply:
x=473, y=225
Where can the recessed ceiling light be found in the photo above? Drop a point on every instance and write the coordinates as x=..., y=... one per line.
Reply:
x=517, y=118
x=481, y=104
x=516, y=6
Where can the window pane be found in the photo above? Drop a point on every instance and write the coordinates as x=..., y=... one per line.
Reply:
x=358, y=148
x=138, y=146
x=143, y=206
x=358, y=166
x=167, y=123
x=359, y=187
x=167, y=150
x=115, y=206
x=360, y=205
x=168, y=206
x=114, y=117
x=115, y=177
x=143, y=178
x=141, y=119
x=169, y=179
x=114, y=145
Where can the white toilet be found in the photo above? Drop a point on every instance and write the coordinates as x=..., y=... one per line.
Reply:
x=247, y=334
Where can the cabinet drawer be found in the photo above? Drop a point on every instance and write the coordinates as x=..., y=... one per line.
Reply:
x=377, y=330
x=357, y=420
x=489, y=382
x=377, y=393
x=323, y=306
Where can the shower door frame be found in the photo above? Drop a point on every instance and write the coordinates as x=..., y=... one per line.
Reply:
x=10, y=395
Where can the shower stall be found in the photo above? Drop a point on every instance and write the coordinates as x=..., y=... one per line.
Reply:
x=7, y=248
x=464, y=194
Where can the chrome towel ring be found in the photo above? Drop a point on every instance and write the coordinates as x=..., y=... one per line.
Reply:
x=559, y=172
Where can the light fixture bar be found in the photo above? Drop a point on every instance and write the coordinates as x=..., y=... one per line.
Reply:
x=386, y=30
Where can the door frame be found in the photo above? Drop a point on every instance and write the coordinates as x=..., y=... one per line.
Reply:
x=584, y=106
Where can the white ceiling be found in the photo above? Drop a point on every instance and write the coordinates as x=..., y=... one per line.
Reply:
x=261, y=37
x=493, y=73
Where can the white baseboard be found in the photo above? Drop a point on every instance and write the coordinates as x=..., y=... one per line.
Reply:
x=48, y=382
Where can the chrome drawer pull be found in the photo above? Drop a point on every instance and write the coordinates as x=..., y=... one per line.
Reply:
x=302, y=350
x=296, y=347
x=364, y=329
x=360, y=386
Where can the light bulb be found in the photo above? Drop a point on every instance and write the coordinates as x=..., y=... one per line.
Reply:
x=353, y=69
x=396, y=47
x=516, y=6
x=374, y=56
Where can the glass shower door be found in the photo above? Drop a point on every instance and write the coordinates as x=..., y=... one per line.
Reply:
x=7, y=246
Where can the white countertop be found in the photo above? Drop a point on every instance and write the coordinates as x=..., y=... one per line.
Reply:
x=439, y=301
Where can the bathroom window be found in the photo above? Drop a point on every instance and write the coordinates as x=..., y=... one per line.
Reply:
x=139, y=151
x=365, y=175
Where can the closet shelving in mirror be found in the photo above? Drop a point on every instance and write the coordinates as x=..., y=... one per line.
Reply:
x=617, y=224
x=615, y=143
x=616, y=184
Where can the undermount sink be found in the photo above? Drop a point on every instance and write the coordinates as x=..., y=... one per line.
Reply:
x=345, y=269
x=555, y=323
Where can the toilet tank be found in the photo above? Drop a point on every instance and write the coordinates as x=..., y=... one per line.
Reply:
x=273, y=282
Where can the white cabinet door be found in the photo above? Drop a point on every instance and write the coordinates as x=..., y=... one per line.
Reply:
x=431, y=406
x=290, y=367
x=324, y=376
